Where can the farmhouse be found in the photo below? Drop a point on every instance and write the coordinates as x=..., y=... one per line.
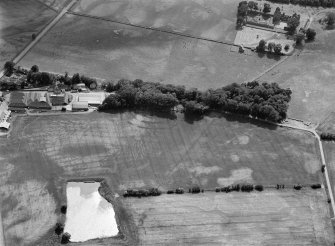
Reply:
x=40, y=103
x=80, y=106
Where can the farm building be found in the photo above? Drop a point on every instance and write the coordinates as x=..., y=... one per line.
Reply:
x=39, y=103
x=59, y=100
x=80, y=106
x=4, y=125
x=93, y=99
x=17, y=100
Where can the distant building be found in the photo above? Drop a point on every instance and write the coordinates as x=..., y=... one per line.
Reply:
x=79, y=106
x=59, y=100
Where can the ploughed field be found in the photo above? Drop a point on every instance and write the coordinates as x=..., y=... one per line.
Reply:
x=19, y=19
x=108, y=50
x=274, y=217
x=134, y=150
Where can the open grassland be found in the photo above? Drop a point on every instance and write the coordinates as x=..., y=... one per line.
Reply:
x=310, y=75
x=19, y=19
x=214, y=19
x=132, y=150
x=113, y=51
x=267, y=218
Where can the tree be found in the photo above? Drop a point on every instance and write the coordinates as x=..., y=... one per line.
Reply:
x=276, y=16
x=278, y=49
x=192, y=107
x=267, y=8
x=287, y=47
x=310, y=34
x=35, y=69
x=293, y=23
x=330, y=19
x=261, y=46
x=299, y=38
x=271, y=46
x=59, y=229
x=110, y=87
x=75, y=79
x=242, y=9
x=65, y=238
x=9, y=68
x=46, y=78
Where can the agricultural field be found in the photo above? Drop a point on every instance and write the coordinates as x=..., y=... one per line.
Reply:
x=212, y=19
x=269, y=218
x=55, y=4
x=112, y=51
x=134, y=150
x=310, y=74
x=19, y=19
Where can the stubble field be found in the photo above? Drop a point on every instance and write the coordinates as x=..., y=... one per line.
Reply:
x=131, y=150
x=267, y=218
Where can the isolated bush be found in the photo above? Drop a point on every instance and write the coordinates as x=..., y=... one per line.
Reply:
x=179, y=191
x=195, y=189
x=247, y=188
x=261, y=46
x=297, y=187
x=323, y=168
x=63, y=209
x=310, y=34
x=9, y=68
x=34, y=69
x=65, y=238
x=170, y=192
x=259, y=187
x=59, y=228
x=287, y=47
x=217, y=189
x=316, y=186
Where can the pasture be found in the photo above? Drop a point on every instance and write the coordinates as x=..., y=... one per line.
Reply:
x=19, y=19
x=310, y=74
x=112, y=51
x=132, y=150
x=269, y=218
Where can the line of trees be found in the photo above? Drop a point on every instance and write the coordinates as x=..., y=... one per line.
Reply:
x=265, y=101
x=327, y=136
x=313, y=3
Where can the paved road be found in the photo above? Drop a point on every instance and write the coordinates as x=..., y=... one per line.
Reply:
x=41, y=34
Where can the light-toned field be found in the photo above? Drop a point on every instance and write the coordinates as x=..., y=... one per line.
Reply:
x=269, y=218
x=113, y=51
x=250, y=37
x=19, y=19
x=214, y=19
x=133, y=150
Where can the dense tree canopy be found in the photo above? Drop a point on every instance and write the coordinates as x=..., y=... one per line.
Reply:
x=9, y=68
x=310, y=34
x=265, y=101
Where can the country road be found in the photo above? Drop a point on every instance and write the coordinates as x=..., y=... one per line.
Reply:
x=41, y=34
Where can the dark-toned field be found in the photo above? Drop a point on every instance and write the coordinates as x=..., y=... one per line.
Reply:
x=113, y=51
x=132, y=150
x=267, y=218
x=19, y=19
